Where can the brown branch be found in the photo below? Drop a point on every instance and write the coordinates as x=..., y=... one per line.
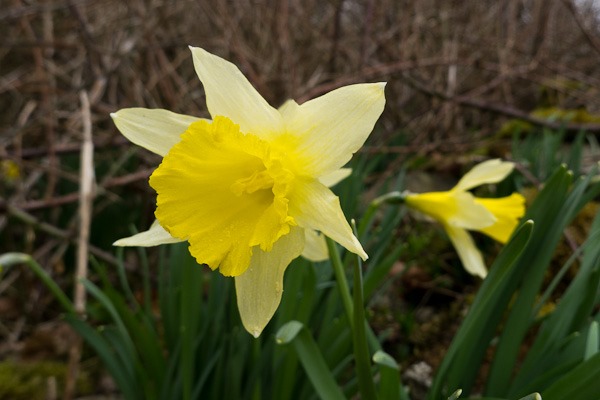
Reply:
x=29, y=219
x=335, y=35
x=374, y=72
x=74, y=197
x=513, y=112
x=586, y=33
x=503, y=109
x=67, y=148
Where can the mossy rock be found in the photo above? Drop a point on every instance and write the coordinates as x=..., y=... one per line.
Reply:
x=29, y=381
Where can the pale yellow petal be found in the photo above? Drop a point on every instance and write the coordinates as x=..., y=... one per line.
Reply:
x=507, y=210
x=288, y=109
x=335, y=177
x=454, y=208
x=491, y=171
x=259, y=289
x=469, y=214
x=314, y=206
x=154, y=129
x=334, y=126
x=467, y=251
x=230, y=94
x=315, y=246
x=154, y=236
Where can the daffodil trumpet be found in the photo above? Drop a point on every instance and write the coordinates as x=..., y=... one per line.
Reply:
x=458, y=211
x=248, y=189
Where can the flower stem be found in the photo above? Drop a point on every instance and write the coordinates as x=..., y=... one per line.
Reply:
x=359, y=336
x=340, y=277
x=394, y=197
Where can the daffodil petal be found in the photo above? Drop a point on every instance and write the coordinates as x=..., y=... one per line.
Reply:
x=507, y=210
x=490, y=171
x=454, y=208
x=467, y=251
x=335, y=177
x=315, y=246
x=214, y=189
x=259, y=289
x=469, y=214
x=334, y=126
x=314, y=206
x=156, y=130
x=154, y=236
x=230, y=94
x=288, y=109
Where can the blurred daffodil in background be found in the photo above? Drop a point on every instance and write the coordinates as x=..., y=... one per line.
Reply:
x=9, y=171
x=249, y=188
x=458, y=211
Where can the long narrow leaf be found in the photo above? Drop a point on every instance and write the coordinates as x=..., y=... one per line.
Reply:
x=492, y=296
x=553, y=201
x=311, y=359
x=570, y=315
x=125, y=381
x=580, y=383
x=389, y=383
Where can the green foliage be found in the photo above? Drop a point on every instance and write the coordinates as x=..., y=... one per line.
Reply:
x=508, y=296
x=181, y=337
x=545, y=153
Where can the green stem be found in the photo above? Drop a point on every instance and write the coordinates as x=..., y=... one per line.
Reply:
x=256, y=351
x=8, y=259
x=361, y=348
x=340, y=277
x=344, y=289
x=394, y=197
x=185, y=330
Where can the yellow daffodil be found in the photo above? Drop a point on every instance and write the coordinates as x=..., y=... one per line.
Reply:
x=248, y=189
x=458, y=210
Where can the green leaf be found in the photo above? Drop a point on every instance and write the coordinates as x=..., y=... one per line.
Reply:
x=144, y=336
x=568, y=318
x=126, y=382
x=109, y=306
x=553, y=209
x=384, y=359
x=471, y=340
x=580, y=383
x=310, y=357
x=591, y=345
x=532, y=396
x=288, y=332
x=389, y=371
x=455, y=395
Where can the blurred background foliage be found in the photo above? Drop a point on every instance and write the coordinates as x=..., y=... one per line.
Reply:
x=467, y=80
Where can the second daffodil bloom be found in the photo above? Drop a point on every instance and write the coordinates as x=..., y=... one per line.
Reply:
x=458, y=211
x=249, y=187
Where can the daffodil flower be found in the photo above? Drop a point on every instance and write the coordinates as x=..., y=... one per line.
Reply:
x=458, y=211
x=248, y=189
